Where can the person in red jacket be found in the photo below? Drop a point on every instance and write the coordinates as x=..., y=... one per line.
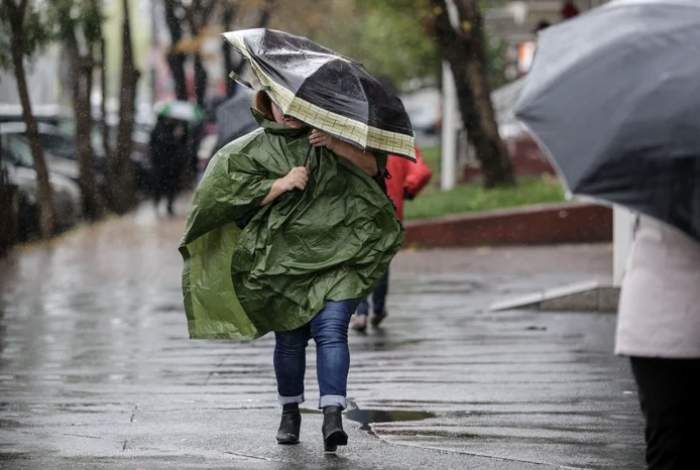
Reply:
x=404, y=180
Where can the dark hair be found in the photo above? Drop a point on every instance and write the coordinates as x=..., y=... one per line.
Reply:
x=263, y=104
x=542, y=24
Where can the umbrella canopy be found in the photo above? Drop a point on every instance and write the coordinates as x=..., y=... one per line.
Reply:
x=325, y=90
x=180, y=110
x=233, y=117
x=614, y=99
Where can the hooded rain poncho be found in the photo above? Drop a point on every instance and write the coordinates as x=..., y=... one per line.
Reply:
x=331, y=241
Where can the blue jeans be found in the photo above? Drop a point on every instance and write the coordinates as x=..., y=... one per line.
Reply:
x=378, y=298
x=329, y=329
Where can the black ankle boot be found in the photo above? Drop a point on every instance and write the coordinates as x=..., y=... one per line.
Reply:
x=333, y=434
x=288, y=432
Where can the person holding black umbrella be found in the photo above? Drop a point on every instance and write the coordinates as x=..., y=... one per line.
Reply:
x=290, y=224
x=630, y=135
x=168, y=151
x=329, y=327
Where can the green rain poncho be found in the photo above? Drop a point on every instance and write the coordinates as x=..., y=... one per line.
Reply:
x=331, y=241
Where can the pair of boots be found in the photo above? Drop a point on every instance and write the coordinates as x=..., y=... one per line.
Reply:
x=333, y=434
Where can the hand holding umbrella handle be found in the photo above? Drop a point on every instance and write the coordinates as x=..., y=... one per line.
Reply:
x=361, y=158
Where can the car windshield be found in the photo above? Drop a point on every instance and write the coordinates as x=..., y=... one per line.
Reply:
x=57, y=144
x=17, y=151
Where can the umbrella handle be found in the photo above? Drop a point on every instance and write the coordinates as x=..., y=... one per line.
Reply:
x=308, y=154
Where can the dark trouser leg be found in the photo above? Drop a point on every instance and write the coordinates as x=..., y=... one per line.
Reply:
x=171, y=200
x=363, y=307
x=157, y=193
x=330, y=331
x=379, y=295
x=669, y=395
x=290, y=364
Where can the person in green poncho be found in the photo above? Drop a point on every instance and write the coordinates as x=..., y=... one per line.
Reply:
x=289, y=228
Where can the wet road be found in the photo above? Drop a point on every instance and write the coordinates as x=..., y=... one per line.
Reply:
x=96, y=370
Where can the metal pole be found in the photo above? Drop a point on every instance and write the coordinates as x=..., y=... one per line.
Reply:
x=450, y=121
x=450, y=116
x=623, y=223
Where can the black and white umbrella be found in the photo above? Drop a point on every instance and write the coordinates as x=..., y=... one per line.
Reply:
x=326, y=90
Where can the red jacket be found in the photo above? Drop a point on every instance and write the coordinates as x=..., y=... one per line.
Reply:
x=405, y=179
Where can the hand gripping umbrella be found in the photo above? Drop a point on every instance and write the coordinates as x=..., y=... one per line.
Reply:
x=325, y=90
x=614, y=99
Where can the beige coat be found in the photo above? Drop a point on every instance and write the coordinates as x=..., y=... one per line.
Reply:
x=659, y=314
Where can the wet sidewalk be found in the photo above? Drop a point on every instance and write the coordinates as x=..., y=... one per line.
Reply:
x=96, y=370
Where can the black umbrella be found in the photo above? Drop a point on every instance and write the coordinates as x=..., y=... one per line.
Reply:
x=326, y=90
x=614, y=98
x=233, y=117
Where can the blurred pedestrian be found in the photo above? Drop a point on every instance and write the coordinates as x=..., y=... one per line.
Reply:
x=405, y=179
x=169, y=158
x=659, y=329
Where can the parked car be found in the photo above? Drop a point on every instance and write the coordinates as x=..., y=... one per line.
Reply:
x=59, y=158
x=66, y=194
x=57, y=134
x=9, y=199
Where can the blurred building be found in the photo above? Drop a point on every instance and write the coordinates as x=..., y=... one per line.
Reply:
x=515, y=23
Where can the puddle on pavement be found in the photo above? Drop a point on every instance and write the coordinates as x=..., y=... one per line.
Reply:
x=367, y=417
x=13, y=456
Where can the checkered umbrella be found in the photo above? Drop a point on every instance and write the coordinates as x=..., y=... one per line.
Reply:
x=326, y=90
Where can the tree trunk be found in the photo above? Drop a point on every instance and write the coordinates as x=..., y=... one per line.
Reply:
x=200, y=80
x=197, y=14
x=47, y=213
x=265, y=13
x=226, y=48
x=176, y=60
x=121, y=171
x=106, y=143
x=227, y=23
x=463, y=48
x=81, y=87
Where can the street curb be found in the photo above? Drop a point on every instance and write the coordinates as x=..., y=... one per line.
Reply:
x=590, y=296
x=540, y=224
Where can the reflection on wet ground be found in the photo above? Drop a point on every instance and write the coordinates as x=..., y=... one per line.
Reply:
x=95, y=364
x=367, y=417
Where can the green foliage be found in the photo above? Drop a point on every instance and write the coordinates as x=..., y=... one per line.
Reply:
x=36, y=30
x=44, y=23
x=392, y=38
x=71, y=16
x=387, y=37
x=496, y=62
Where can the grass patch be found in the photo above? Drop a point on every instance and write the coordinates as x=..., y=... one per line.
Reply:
x=431, y=157
x=472, y=197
